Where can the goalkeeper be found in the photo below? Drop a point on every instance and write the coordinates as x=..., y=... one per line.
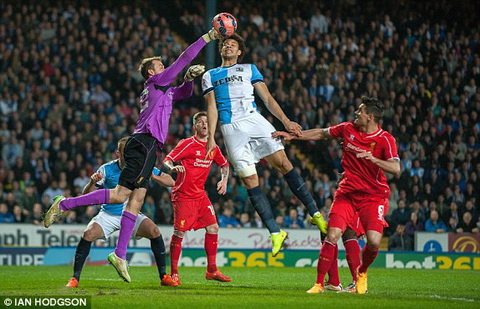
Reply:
x=156, y=102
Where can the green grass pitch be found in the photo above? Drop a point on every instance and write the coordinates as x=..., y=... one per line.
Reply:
x=256, y=288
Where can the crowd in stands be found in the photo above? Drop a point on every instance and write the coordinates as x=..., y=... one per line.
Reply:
x=69, y=89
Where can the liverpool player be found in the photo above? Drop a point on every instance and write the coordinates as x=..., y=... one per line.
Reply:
x=191, y=205
x=150, y=133
x=369, y=152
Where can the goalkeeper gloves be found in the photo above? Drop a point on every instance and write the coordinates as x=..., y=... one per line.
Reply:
x=194, y=71
x=211, y=35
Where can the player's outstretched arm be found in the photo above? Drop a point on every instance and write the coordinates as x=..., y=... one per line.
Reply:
x=307, y=135
x=275, y=109
x=212, y=116
x=170, y=73
x=164, y=180
x=391, y=166
x=90, y=186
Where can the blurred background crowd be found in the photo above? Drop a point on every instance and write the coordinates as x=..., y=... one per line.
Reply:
x=69, y=86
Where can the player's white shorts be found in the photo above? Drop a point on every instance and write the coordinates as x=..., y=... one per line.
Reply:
x=111, y=223
x=248, y=140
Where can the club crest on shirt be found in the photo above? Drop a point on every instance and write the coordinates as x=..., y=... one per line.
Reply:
x=182, y=223
x=372, y=146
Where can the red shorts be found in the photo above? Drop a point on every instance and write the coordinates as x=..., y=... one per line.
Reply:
x=356, y=226
x=347, y=208
x=193, y=214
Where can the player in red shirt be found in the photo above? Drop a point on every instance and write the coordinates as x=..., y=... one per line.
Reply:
x=368, y=152
x=191, y=205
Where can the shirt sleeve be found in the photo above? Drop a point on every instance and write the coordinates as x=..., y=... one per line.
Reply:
x=219, y=158
x=256, y=75
x=168, y=76
x=207, y=85
x=337, y=130
x=102, y=171
x=182, y=92
x=179, y=152
x=156, y=171
x=390, y=148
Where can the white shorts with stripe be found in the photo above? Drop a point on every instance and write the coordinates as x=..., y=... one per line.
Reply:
x=111, y=223
x=249, y=140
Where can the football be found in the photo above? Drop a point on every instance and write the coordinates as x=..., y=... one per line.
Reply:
x=225, y=24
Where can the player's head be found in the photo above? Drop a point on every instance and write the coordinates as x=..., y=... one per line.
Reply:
x=370, y=109
x=121, y=149
x=151, y=66
x=232, y=47
x=200, y=124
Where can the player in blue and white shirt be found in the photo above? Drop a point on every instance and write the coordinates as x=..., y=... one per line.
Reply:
x=108, y=219
x=229, y=92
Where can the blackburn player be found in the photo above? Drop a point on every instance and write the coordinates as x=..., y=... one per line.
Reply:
x=368, y=153
x=229, y=93
x=140, y=150
x=191, y=205
x=108, y=219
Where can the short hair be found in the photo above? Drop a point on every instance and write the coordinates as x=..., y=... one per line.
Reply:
x=147, y=65
x=198, y=115
x=240, y=41
x=374, y=106
x=121, y=141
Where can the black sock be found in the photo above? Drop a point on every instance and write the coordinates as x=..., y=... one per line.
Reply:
x=81, y=254
x=262, y=206
x=158, y=249
x=299, y=188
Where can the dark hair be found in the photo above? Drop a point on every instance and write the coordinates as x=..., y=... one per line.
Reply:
x=240, y=41
x=121, y=141
x=198, y=115
x=373, y=106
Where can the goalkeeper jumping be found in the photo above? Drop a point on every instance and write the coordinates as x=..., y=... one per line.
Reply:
x=156, y=102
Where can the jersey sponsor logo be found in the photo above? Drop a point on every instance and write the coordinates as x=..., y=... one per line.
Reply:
x=353, y=148
x=202, y=163
x=234, y=79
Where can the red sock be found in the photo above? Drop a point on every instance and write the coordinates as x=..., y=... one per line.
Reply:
x=175, y=251
x=352, y=253
x=211, y=245
x=333, y=277
x=325, y=258
x=368, y=256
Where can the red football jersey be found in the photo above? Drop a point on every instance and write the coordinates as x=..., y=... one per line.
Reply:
x=361, y=175
x=191, y=154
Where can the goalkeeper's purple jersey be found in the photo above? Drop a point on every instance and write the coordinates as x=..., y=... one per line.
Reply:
x=157, y=95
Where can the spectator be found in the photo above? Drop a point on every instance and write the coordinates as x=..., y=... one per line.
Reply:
x=399, y=241
x=467, y=225
x=227, y=219
x=5, y=215
x=20, y=216
x=434, y=224
x=400, y=215
x=412, y=226
x=245, y=220
x=36, y=214
x=292, y=221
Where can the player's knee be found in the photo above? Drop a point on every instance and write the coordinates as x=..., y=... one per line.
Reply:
x=90, y=235
x=247, y=171
x=178, y=233
x=374, y=243
x=212, y=229
x=333, y=236
x=154, y=232
x=348, y=234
